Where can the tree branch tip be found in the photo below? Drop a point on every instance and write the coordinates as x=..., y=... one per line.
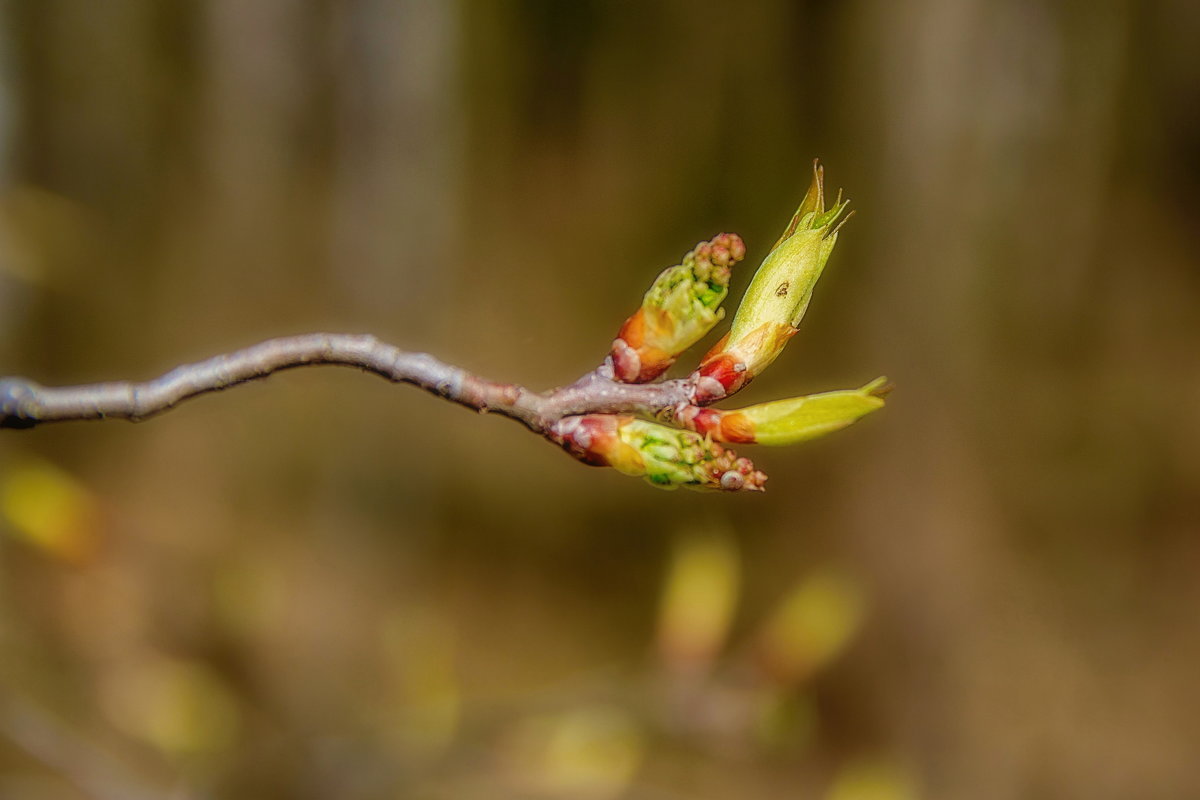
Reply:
x=601, y=418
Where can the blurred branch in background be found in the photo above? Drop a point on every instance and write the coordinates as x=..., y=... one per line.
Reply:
x=92, y=770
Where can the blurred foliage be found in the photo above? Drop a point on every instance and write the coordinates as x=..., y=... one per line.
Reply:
x=812, y=626
x=327, y=586
x=47, y=508
x=700, y=595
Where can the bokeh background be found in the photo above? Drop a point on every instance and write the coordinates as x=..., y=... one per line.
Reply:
x=322, y=585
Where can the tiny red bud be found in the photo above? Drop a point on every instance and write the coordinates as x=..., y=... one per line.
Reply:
x=737, y=247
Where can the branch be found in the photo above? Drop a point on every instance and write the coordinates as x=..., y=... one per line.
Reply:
x=24, y=404
x=616, y=415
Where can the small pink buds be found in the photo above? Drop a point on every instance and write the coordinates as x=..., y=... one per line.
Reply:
x=666, y=457
x=682, y=305
x=777, y=298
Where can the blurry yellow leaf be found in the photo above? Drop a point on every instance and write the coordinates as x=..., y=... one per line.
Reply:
x=39, y=230
x=420, y=650
x=812, y=626
x=178, y=706
x=872, y=779
x=48, y=508
x=585, y=754
x=699, y=598
x=785, y=718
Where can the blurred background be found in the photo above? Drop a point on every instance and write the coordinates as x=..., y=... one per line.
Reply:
x=322, y=585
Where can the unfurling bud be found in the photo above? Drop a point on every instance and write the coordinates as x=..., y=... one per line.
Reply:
x=790, y=421
x=666, y=457
x=683, y=446
x=682, y=305
x=777, y=298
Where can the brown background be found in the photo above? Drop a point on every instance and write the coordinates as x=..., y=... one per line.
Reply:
x=325, y=586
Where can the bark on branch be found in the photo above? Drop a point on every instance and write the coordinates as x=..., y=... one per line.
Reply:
x=24, y=404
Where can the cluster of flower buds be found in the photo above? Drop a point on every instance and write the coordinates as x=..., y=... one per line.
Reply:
x=682, y=447
x=776, y=299
x=683, y=304
x=666, y=457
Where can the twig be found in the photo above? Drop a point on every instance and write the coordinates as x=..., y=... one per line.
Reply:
x=617, y=415
x=24, y=404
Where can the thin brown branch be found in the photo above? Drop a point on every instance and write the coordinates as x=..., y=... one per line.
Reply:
x=24, y=404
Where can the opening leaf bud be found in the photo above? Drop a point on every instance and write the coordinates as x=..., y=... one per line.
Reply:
x=681, y=306
x=666, y=457
x=777, y=297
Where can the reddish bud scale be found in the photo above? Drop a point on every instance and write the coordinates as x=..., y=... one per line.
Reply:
x=728, y=367
x=722, y=426
x=635, y=361
x=593, y=439
x=719, y=376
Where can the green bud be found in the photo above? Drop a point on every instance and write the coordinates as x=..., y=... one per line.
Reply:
x=783, y=285
x=671, y=458
x=799, y=419
x=666, y=457
x=779, y=295
x=679, y=309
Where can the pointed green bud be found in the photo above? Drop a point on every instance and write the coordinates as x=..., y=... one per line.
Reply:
x=678, y=310
x=781, y=422
x=799, y=419
x=783, y=285
x=666, y=457
x=777, y=298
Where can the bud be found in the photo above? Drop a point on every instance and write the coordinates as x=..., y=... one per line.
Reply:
x=790, y=421
x=682, y=305
x=777, y=298
x=666, y=457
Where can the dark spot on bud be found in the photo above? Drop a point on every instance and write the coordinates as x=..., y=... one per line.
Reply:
x=783, y=289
